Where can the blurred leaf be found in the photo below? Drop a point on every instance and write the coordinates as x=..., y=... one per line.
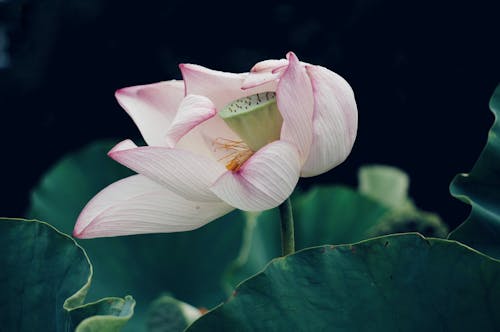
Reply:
x=72, y=182
x=188, y=265
x=480, y=189
x=46, y=276
x=389, y=186
x=95, y=316
x=261, y=242
x=409, y=219
x=384, y=184
x=392, y=283
x=334, y=215
x=168, y=314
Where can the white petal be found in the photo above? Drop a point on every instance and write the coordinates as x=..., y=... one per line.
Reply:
x=194, y=109
x=137, y=205
x=152, y=107
x=264, y=181
x=182, y=172
x=334, y=123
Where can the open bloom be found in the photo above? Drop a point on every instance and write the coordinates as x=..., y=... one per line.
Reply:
x=219, y=141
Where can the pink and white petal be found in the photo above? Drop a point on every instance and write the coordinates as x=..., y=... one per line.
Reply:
x=137, y=205
x=194, y=109
x=253, y=80
x=152, y=107
x=182, y=172
x=225, y=88
x=295, y=102
x=264, y=181
x=268, y=65
x=335, y=121
x=220, y=87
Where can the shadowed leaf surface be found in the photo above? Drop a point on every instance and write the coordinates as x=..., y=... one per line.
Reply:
x=168, y=314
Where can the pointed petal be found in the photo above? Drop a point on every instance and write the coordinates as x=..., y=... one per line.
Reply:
x=295, y=102
x=123, y=145
x=268, y=65
x=152, y=107
x=335, y=121
x=264, y=181
x=194, y=109
x=182, y=172
x=137, y=205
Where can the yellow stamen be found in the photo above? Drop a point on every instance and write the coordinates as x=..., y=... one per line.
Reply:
x=237, y=152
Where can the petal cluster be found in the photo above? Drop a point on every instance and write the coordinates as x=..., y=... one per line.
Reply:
x=182, y=182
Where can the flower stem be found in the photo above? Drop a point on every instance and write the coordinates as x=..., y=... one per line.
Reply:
x=287, y=233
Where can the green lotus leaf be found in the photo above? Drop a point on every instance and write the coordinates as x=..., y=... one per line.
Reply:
x=45, y=278
x=480, y=189
x=399, y=282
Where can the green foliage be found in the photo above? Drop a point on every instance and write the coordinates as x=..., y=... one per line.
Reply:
x=189, y=265
x=46, y=276
x=480, y=189
x=336, y=215
x=391, y=283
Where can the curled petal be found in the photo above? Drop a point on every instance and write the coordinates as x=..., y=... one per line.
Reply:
x=264, y=181
x=152, y=107
x=182, y=172
x=258, y=79
x=334, y=122
x=268, y=65
x=137, y=205
x=220, y=87
x=295, y=102
x=193, y=110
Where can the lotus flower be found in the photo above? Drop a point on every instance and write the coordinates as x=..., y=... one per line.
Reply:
x=219, y=141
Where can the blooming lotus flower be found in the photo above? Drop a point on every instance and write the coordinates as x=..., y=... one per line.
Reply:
x=219, y=141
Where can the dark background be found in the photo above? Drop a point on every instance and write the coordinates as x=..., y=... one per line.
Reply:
x=422, y=72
